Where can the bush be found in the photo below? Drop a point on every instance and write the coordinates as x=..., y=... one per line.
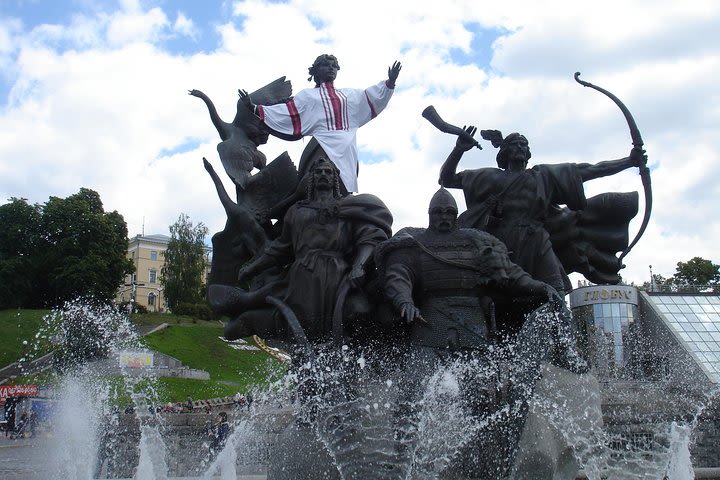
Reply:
x=195, y=310
x=137, y=308
x=85, y=330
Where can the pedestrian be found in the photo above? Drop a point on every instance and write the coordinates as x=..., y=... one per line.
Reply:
x=10, y=406
x=220, y=432
x=20, y=427
x=31, y=424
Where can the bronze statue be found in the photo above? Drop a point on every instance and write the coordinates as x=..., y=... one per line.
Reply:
x=330, y=115
x=449, y=285
x=248, y=227
x=515, y=203
x=327, y=241
x=441, y=280
x=240, y=138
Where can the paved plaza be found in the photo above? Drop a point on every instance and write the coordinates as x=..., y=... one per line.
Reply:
x=19, y=459
x=22, y=459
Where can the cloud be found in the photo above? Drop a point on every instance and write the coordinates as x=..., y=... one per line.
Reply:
x=136, y=26
x=96, y=100
x=185, y=26
x=612, y=36
x=9, y=34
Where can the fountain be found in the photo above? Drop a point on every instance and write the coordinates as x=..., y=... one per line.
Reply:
x=444, y=352
x=87, y=336
x=436, y=355
x=373, y=431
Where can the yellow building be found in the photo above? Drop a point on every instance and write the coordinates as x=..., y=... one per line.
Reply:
x=143, y=287
x=147, y=253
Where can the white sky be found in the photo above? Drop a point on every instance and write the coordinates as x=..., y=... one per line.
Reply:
x=94, y=94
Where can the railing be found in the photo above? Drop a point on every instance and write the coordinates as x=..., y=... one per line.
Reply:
x=691, y=289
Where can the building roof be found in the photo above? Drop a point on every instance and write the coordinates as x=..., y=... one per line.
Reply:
x=695, y=320
x=154, y=238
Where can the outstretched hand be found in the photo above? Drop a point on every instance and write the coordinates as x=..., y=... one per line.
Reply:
x=409, y=312
x=394, y=71
x=553, y=296
x=465, y=143
x=638, y=157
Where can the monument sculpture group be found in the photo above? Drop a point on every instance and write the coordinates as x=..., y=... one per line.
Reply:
x=305, y=262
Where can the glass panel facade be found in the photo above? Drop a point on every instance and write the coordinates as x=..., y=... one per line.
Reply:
x=608, y=327
x=697, y=324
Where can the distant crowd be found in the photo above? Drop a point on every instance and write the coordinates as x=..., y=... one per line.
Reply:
x=17, y=427
x=239, y=402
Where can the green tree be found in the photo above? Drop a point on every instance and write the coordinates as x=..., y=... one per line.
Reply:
x=661, y=284
x=182, y=276
x=696, y=272
x=86, y=248
x=85, y=329
x=66, y=248
x=19, y=241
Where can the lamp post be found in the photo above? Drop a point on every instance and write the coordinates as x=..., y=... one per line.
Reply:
x=133, y=294
x=652, y=280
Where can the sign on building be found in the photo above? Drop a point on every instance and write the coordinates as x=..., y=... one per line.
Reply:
x=603, y=294
x=135, y=359
x=29, y=390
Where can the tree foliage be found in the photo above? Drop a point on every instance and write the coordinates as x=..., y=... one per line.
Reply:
x=185, y=262
x=65, y=248
x=660, y=283
x=696, y=272
x=86, y=329
x=19, y=243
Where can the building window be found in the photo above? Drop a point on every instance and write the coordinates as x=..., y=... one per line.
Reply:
x=611, y=336
x=153, y=255
x=151, y=299
x=153, y=276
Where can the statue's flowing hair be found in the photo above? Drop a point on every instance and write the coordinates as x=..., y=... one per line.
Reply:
x=310, y=193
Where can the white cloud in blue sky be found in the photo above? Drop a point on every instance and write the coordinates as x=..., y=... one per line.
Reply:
x=94, y=94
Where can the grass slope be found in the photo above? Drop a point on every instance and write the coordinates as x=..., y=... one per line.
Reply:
x=199, y=346
x=17, y=326
x=154, y=319
x=195, y=343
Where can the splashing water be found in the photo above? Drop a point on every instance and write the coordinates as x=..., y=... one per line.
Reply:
x=680, y=467
x=77, y=425
x=426, y=418
x=225, y=462
x=86, y=333
x=378, y=412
